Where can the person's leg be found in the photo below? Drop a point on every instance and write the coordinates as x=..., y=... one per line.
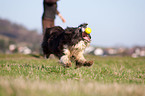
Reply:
x=47, y=23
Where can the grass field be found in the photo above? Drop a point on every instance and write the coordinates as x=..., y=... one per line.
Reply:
x=31, y=75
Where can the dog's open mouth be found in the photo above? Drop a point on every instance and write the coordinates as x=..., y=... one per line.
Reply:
x=86, y=37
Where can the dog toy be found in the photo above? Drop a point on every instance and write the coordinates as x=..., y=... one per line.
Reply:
x=88, y=30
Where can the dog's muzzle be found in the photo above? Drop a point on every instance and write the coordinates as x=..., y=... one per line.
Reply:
x=86, y=37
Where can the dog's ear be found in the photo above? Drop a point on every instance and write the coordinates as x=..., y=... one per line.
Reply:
x=81, y=29
x=84, y=25
x=70, y=30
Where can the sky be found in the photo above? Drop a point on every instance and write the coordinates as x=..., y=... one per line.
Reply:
x=113, y=22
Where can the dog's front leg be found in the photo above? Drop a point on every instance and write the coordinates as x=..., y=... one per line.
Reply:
x=65, y=59
x=81, y=61
x=79, y=58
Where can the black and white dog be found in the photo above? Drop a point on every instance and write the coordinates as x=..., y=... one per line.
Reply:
x=67, y=43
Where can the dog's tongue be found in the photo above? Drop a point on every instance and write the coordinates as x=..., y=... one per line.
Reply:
x=86, y=37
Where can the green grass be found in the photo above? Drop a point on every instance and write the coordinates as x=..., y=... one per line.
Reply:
x=31, y=75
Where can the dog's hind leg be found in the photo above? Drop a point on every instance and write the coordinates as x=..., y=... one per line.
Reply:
x=46, y=56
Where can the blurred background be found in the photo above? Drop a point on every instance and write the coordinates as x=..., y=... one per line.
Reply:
x=118, y=26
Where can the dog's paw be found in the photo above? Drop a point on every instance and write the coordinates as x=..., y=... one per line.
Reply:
x=79, y=64
x=88, y=63
x=68, y=65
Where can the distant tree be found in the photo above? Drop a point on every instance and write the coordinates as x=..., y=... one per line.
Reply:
x=3, y=46
x=18, y=34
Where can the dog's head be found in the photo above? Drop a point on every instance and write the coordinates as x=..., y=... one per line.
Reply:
x=75, y=34
x=85, y=36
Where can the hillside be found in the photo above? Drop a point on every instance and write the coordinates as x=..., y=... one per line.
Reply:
x=12, y=33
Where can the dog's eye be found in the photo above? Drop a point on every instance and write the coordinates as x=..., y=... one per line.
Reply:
x=82, y=29
x=84, y=35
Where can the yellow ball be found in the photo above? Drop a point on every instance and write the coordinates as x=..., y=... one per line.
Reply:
x=88, y=30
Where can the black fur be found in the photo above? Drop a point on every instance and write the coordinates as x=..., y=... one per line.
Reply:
x=56, y=37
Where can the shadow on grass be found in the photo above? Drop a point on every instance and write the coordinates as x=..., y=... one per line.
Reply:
x=37, y=55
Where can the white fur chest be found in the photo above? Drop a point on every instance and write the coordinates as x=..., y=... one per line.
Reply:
x=79, y=46
x=75, y=49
